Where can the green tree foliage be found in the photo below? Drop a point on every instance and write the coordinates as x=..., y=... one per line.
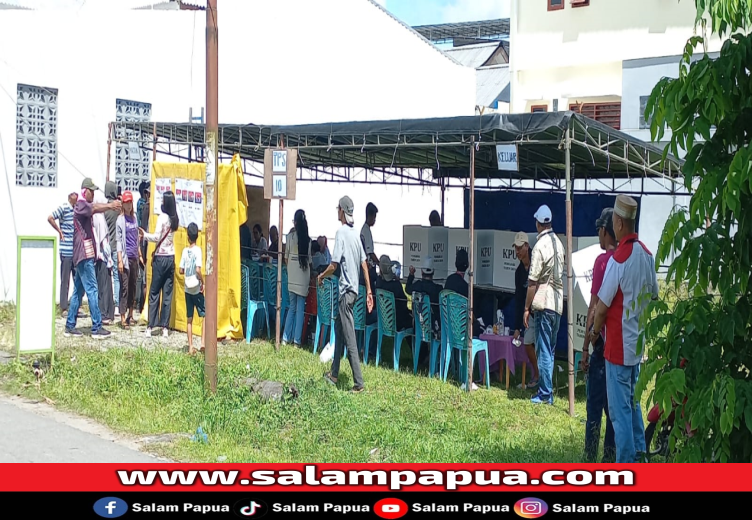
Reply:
x=711, y=326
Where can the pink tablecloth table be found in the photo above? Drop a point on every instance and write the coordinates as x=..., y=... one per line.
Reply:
x=501, y=348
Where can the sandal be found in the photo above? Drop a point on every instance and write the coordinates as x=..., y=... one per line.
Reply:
x=357, y=389
x=124, y=325
x=329, y=379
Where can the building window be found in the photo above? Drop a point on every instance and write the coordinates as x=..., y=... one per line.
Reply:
x=555, y=5
x=643, y=103
x=36, y=136
x=580, y=3
x=539, y=108
x=132, y=157
x=606, y=113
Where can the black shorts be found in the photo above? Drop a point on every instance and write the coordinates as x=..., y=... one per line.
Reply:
x=194, y=301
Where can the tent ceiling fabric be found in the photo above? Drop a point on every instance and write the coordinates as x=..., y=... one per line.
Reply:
x=442, y=145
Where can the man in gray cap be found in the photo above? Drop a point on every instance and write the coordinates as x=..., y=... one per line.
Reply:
x=628, y=285
x=84, y=257
x=595, y=365
x=348, y=255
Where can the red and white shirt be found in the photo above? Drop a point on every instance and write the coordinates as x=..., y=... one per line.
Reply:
x=628, y=286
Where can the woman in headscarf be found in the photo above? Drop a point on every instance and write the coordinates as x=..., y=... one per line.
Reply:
x=298, y=259
x=162, y=265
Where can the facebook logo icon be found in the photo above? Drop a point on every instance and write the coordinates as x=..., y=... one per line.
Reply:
x=110, y=507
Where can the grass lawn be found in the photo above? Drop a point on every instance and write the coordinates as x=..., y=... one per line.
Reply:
x=143, y=387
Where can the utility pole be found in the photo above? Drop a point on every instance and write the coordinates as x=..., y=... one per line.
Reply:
x=212, y=167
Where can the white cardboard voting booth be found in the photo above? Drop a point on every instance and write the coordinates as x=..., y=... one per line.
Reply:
x=421, y=242
x=582, y=266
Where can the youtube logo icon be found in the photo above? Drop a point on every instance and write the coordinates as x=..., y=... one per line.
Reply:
x=390, y=508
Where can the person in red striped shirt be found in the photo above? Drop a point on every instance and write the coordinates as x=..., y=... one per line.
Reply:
x=629, y=284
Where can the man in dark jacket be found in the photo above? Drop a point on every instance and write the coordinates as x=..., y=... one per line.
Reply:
x=143, y=218
x=388, y=282
x=427, y=286
x=456, y=282
x=111, y=216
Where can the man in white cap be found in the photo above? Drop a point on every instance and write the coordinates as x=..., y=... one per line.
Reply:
x=522, y=250
x=628, y=285
x=348, y=255
x=545, y=297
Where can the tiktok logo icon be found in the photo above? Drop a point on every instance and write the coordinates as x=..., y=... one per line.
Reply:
x=250, y=508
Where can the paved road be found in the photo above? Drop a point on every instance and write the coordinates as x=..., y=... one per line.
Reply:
x=26, y=436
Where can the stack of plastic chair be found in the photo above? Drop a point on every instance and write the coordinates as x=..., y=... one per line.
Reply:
x=370, y=329
x=270, y=293
x=328, y=305
x=388, y=327
x=424, y=331
x=360, y=317
x=251, y=294
x=457, y=336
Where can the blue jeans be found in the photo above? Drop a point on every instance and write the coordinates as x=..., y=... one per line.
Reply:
x=85, y=281
x=597, y=403
x=626, y=414
x=547, y=328
x=294, y=321
x=116, y=283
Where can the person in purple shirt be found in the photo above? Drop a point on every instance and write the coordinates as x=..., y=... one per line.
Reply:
x=128, y=259
x=84, y=257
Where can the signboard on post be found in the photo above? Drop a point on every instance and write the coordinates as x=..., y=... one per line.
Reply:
x=35, y=295
x=507, y=157
x=280, y=168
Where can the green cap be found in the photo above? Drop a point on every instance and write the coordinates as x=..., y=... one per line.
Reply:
x=88, y=184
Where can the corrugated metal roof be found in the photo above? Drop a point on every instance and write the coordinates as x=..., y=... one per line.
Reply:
x=492, y=84
x=473, y=55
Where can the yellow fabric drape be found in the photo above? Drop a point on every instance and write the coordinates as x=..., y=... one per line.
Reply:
x=231, y=214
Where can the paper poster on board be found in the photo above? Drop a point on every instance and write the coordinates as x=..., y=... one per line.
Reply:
x=161, y=186
x=189, y=196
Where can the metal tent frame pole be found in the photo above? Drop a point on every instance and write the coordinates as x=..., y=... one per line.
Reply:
x=471, y=271
x=570, y=278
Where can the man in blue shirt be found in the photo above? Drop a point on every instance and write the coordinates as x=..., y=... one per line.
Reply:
x=61, y=221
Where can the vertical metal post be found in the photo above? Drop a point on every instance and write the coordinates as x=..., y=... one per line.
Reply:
x=443, y=201
x=471, y=268
x=570, y=278
x=109, y=150
x=279, y=271
x=154, y=143
x=212, y=169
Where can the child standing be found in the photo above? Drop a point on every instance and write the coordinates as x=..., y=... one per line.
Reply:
x=190, y=266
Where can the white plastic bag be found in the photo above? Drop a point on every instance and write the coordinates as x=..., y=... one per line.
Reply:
x=327, y=354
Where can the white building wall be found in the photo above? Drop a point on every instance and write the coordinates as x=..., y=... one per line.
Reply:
x=578, y=51
x=282, y=62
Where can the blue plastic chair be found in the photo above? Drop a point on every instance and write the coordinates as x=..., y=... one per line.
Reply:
x=456, y=336
x=270, y=292
x=424, y=331
x=388, y=327
x=250, y=281
x=370, y=329
x=328, y=306
x=360, y=317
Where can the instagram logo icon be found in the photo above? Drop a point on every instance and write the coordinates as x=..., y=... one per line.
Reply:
x=531, y=508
